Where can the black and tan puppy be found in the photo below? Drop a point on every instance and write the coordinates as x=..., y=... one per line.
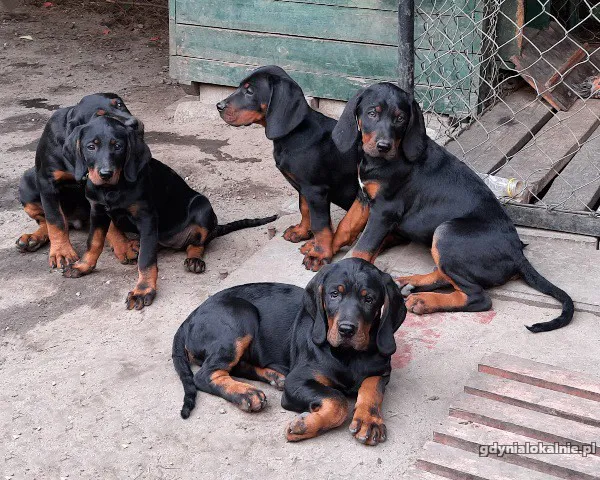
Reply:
x=420, y=191
x=50, y=194
x=318, y=345
x=140, y=195
x=303, y=151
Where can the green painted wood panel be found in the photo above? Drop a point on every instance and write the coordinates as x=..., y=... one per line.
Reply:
x=330, y=22
x=341, y=87
x=392, y=5
x=313, y=55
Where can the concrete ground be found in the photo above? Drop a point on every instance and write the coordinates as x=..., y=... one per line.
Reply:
x=88, y=389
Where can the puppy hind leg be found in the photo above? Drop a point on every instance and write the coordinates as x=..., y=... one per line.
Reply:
x=214, y=377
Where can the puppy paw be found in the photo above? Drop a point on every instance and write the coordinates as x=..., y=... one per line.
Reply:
x=127, y=252
x=195, y=265
x=30, y=242
x=77, y=269
x=62, y=255
x=253, y=400
x=298, y=429
x=417, y=303
x=297, y=233
x=139, y=298
x=368, y=428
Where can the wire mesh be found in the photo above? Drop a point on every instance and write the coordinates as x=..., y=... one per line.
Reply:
x=510, y=87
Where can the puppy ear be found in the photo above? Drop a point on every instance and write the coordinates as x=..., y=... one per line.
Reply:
x=414, y=142
x=313, y=304
x=287, y=107
x=391, y=317
x=73, y=153
x=138, y=153
x=346, y=133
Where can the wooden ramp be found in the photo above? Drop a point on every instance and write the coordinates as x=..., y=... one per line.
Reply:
x=523, y=405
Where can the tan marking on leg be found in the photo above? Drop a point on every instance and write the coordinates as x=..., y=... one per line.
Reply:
x=351, y=225
x=29, y=242
x=124, y=249
x=88, y=262
x=367, y=423
x=364, y=255
x=301, y=231
x=61, y=176
x=62, y=252
x=145, y=290
x=330, y=414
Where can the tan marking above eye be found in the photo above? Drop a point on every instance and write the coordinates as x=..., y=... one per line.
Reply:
x=378, y=109
x=341, y=289
x=96, y=141
x=246, y=85
x=363, y=293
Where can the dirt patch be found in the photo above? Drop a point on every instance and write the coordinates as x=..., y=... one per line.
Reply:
x=28, y=147
x=9, y=194
x=38, y=103
x=26, y=122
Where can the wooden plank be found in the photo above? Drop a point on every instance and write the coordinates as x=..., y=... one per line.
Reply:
x=524, y=422
x=539, y=217
x=535, y=398
x=471, y=437
x=507, y=28
x=551, y=149
x=338, y=87
x=330, y=22
x=578, y=185
x=541, y=375
x=460, y=465
x=502, y=131
x=312, y=55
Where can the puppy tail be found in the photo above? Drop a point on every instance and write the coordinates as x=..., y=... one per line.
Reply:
x=535, y=280
x=245, y=223
x=182, y=366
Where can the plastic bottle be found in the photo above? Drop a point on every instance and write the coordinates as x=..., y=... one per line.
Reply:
x=503, y=187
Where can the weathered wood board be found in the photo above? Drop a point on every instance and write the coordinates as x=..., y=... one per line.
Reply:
x=512, y=402
x=578, y=185
x=347, y=42
x=501, y=132
x=538, y=162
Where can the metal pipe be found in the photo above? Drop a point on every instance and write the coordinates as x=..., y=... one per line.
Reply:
x=406, y=46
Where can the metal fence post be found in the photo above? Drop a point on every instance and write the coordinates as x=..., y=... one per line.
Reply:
x=406, y=45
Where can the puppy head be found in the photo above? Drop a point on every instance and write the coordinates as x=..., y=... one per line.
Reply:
x=355, y=306
x=269, y=97
x=384, y=120
x=105, y=147
x=93, y=105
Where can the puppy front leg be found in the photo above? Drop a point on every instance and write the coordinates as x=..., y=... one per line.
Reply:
x=321, y=252
x=145, y=290
x=367, y=423
x=99, y=222
x=323, y=407
x=375, y=232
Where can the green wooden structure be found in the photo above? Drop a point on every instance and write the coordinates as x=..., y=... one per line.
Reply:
x=332, y=47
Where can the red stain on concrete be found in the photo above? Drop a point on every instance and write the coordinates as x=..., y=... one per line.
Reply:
x=425, y=331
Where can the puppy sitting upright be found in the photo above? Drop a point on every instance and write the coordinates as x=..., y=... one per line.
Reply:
x=141, y=195
x=420, y=191
x=333, y=339
x=303, y=151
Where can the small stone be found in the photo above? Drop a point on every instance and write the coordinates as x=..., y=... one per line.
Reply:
x=222, y=411
x=379, y=461
x=78, y=294
x=238, y=198
x=54, y=384
x=433, y=398
x=82, y=373
x=108, y=282
x=124, y=445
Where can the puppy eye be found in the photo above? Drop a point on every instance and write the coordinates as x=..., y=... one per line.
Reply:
x=91, y=147
x=334, y=294
x=399, y=119
x=369, y=299
x=119, y=104
x=249, y=91
x=372, y=114
x=118, y=146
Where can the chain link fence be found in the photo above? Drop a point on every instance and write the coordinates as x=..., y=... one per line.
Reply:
x=510, y=87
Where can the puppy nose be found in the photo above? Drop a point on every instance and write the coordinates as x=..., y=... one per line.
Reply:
x=105, y=173
x=221, y=106
x=384, y=146
x=346, y=329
